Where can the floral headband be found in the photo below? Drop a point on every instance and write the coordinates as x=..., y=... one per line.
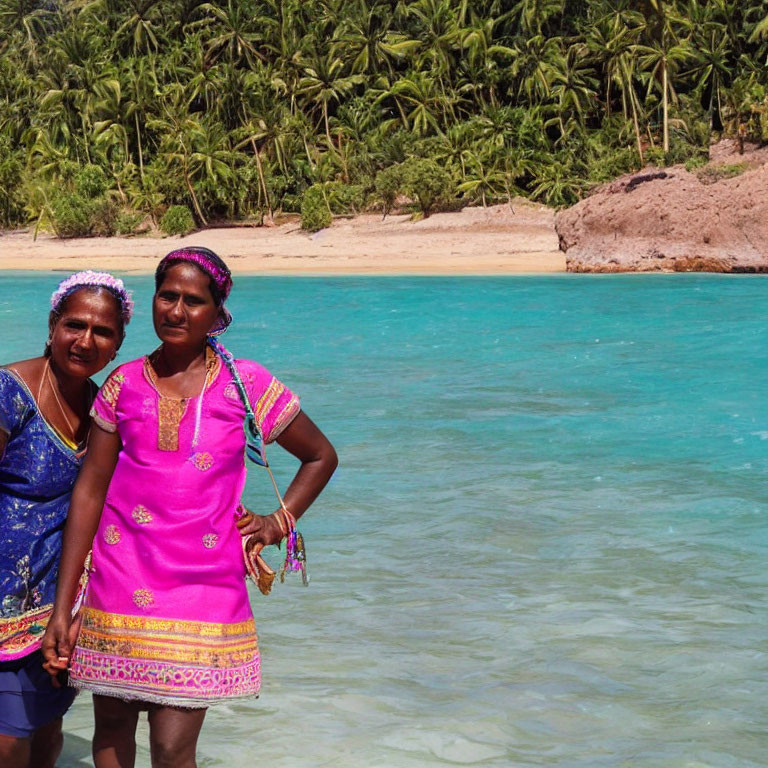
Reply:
x=99, y=280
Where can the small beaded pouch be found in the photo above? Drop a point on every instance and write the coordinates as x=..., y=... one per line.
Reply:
x=255, y=450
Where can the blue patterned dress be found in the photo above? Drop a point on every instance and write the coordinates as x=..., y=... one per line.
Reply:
x=37, y=473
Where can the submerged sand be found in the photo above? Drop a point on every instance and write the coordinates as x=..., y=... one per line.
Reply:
x=501, y=239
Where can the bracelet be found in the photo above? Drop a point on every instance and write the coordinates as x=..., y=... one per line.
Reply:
x=280, y=522
x=290, y=520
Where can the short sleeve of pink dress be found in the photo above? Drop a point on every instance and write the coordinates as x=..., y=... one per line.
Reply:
x=166, y=616
x=274, y=405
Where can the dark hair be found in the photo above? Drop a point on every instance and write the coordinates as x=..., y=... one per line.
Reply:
x=61, y=308
x=166, y=264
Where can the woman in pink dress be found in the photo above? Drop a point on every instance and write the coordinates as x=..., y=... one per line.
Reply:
x=166, y=622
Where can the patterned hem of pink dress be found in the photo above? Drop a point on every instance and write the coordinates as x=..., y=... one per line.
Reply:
x=166, y=661
x=151, y=697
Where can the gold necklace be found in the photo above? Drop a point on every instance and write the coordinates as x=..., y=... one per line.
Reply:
x=49, y=376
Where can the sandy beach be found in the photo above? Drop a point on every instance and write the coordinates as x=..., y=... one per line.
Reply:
x=501, y=239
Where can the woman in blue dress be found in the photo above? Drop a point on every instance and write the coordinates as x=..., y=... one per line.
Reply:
x=44, y=422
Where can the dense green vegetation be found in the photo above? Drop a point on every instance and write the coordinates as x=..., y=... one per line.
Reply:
x=113, y=109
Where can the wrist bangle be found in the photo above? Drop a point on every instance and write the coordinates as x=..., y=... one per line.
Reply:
x=280, y=522
x=290, y=520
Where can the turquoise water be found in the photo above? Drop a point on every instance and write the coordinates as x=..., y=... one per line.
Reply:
x=546, y=542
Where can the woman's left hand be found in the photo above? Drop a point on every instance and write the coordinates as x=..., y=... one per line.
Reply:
x=265, y=528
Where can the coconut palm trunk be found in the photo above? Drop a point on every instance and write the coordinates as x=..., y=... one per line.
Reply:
x=192, y=194
x=262, y=182
x=141, y=154
x=665, y=105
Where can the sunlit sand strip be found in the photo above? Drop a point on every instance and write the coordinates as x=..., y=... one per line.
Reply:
x=497, y=240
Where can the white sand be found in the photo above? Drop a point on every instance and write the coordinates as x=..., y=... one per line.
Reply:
x=501, y=239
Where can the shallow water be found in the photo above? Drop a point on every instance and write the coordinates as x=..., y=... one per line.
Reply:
x=546, y=543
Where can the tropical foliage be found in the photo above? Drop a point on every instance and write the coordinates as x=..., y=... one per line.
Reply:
x=235, y=108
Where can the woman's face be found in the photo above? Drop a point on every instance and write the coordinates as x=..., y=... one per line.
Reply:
x=87, y=333
x=183, y=309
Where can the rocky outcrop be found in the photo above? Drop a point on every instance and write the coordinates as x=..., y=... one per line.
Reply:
x=671, y=220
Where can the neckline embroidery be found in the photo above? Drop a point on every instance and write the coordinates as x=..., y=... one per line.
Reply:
x=171, y=410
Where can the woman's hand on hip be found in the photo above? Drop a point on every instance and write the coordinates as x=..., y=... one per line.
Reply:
x=265, y=528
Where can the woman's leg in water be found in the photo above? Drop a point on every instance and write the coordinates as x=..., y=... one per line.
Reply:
x=114, y=736
x=173, y=736
x=46, y=745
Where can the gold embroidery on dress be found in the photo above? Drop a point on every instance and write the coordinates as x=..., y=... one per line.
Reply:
x=95, y=619
x=202, y=461
x=219, y=651
x=210, y=540
x=169, y=640
x=284, y=418
x=268, y=399
x=17, y=633
x=141, y=514
x=143, y=598
x=170, y=411
x=111, y=389
x=169, y=414
x=112, y=534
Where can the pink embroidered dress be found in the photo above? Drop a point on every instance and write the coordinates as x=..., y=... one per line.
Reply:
x=166, y=617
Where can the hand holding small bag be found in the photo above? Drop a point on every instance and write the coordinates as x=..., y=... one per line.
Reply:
x=259, y=531
x=264, y=533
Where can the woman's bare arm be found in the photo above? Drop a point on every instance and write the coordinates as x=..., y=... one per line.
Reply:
x=82, y=521
x=311, y=447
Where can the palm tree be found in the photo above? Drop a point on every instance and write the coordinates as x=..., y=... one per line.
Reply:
x=477, y=40
x=483, y=178
x=609, y=44
x=626, y=73
x=179, y=132
x=711, y=55
x=437, y=29
x=661, y=55
x=323, y=81
x=532, y=67
x=140, y=89
x=573, y=84
x=366, y=40
x=236, y=38
x=428, y=104
x=200, y=79
x=557, y=185
x=23, y=19
x=142, y=26
x=114, y=111
x=533, y=15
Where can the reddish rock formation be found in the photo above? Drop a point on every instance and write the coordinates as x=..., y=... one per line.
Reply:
x=671, y=220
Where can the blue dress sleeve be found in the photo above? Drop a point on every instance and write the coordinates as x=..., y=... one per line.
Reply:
x=12, y=404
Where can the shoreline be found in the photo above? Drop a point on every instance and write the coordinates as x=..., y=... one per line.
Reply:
x=498, y=240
